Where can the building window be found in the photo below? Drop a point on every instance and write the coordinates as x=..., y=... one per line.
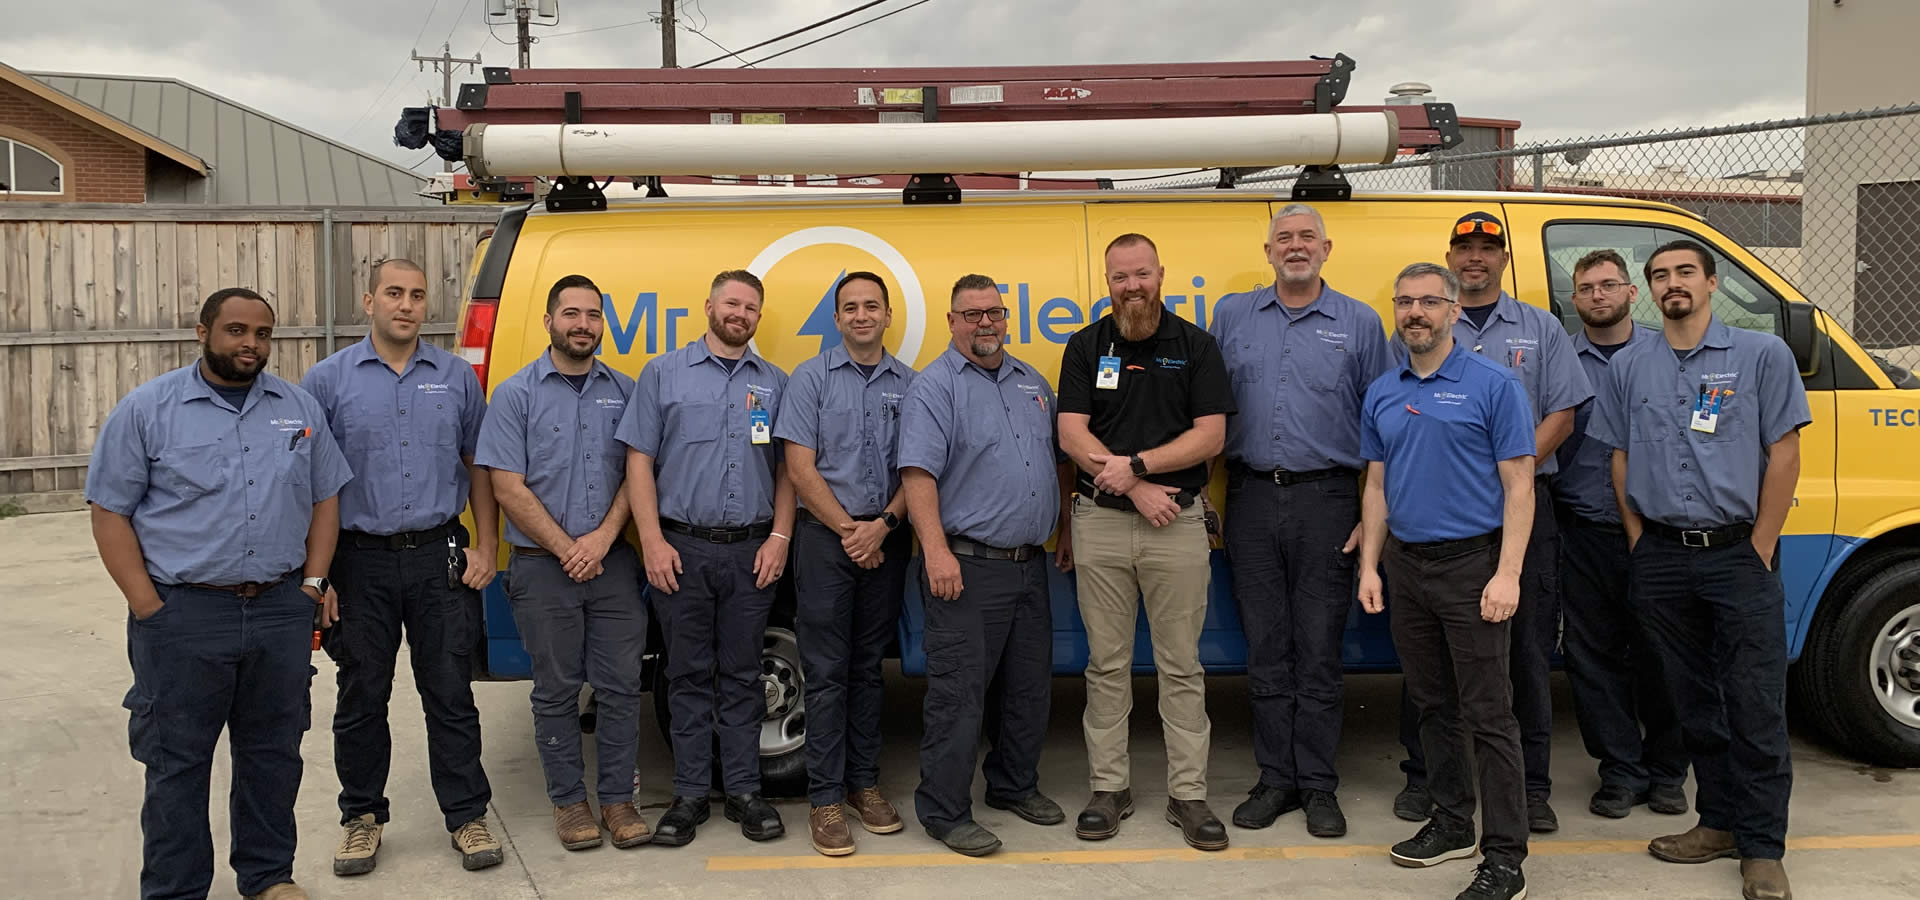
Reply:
x=25, y=170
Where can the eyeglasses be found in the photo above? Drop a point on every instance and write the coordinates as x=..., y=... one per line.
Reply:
x=1605, y=287
x=1430, y=304
x=996, y=314
x=1477, y=226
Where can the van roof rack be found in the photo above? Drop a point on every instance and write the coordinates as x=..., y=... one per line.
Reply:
x=907, y=96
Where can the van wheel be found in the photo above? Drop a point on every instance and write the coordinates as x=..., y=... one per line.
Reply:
x=783, y=735
x=1858, y=678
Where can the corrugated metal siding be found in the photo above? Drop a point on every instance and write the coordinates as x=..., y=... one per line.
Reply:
x=257, y=160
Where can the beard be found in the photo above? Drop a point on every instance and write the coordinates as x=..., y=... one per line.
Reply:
x=1476, y=282
x=1682, y=308
x=986, y=342
x=228, y=367
x=731, y=332
x=1435, y=335
x=1138, y=316
x=563, y=342
x=1596, y=320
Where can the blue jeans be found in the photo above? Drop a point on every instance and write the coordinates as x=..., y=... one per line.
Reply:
x=210, y=660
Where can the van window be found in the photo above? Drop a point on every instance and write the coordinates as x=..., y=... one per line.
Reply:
x=1743, y=301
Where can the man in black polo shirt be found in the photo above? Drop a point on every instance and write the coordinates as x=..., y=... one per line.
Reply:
x=1144, y=401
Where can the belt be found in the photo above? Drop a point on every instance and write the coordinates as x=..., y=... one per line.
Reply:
x=809, y=516
x=245, y=590
x=1116, y=501
x=720, y=535
x=1700, y=537
x=1580, y=521
x=964, y=547
x=1285, y=478
x=405, y=540
x=530, y=551
x=1449, y=549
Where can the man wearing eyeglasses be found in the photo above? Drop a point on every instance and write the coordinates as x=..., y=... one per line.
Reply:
x=981, y=469
x=1532, y=344
x=1449, y=442
x=1614, y=674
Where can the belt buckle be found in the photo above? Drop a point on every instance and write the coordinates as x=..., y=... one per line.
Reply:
x=1279, y=477
x=1687, y=539
x=405, y=540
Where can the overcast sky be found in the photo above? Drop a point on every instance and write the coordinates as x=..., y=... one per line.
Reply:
x=1564, y=69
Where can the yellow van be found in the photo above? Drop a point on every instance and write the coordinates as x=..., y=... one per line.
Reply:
x=1850, y=555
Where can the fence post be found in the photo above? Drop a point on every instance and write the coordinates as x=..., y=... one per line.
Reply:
x=326, y=266
x=1539, y=172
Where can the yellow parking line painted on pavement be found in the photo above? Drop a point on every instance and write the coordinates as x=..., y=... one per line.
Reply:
x=1234, y=854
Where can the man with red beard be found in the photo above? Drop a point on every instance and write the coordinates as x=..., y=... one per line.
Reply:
x=714, y=508
x=1143, y=406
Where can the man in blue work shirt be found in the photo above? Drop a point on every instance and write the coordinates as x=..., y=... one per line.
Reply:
x=1705, y=430
x=840, y=428
x=573, y=581
x=714, y=509
x=1613, y=672
x=214, y=496
x=408, y=415
x=1301, y=355
x=983, y=474
x=1533, y=344
x=1449, y=442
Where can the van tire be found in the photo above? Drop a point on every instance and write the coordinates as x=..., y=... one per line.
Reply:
x=1834, y=684
x=782, y=774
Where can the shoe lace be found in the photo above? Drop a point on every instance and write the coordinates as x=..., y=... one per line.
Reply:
x=830, y=815
x=474, y=832
x=1487, y=878
x=360, y=837
x=1319, y=800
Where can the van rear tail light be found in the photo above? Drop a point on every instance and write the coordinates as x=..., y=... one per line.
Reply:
x=476, y=335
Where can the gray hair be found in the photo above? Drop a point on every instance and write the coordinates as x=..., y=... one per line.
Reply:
x=1298, y=209
x=1450, y=281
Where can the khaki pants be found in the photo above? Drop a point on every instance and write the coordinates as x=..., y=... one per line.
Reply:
x=1118, y=559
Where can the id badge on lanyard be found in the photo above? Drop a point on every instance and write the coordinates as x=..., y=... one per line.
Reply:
x=1107, y=375
x=1706, y=408
x=759, y=422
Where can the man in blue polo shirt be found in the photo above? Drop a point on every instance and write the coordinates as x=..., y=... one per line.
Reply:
x=1449, y=443
x=573, y=580
x=982, y=470
x=214, y=494
x=1614, y=674
x=408, y=415
x=714, y=509
x=1533, y=344
x=1705, y=430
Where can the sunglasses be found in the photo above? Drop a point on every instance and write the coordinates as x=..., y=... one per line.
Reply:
x=1477, y=226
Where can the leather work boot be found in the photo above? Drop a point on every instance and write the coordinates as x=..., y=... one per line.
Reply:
x=970, y=839
x=682, y=818
x=285, y=890
x=477, y=846
x=358, y=846
x=625, y=824
x=1035, y=807
x=831, y=835
x=1696, y=845
x=1101, y=819
x=876, y=814
x=1264, y=804
x=759, y=821
x=1667, y=799
x=575, y=826
x=1764, y=879
x=1197, y=824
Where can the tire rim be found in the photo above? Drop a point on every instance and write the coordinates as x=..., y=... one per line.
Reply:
x=784, y=729
x=1893, y=667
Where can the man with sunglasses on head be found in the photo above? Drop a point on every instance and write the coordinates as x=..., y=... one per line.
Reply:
x=982, y=472
x=1532, y=344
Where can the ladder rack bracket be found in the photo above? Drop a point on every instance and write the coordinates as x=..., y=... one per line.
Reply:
x=930, y=188
x=1322, y=183
x=575, y=194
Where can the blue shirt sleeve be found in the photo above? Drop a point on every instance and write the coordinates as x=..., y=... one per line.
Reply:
x=640, y=427
x=473, y=413
x=330, y=469
x=925, y=417
x=1608, y=424
x=1510, y=420
x=1565, y=385
x=1371, y=447
x=1374, y=358
x=1783, y=396
x=503, y=434
x=117, y=471
x=799, y=414
x=319, y=383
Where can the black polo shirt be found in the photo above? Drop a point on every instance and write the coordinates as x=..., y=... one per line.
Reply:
x=1166, y=381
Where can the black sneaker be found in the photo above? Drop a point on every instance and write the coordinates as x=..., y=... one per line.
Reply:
x=1263, y=805
x=1324, y=818
x=1435, y=844
x=1667, y=799
x=1413, y=803
x=1540, y=817
x=1495, y=881
x=1614, y=801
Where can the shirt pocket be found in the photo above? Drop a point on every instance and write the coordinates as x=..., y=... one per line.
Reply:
x=696, y=423
x=840, y=430
x=442, y=417
x=1649, y=422
x=192, y=472
x=1327, y=370
x=370, y=427
x=293, y=465
x=1244, y=361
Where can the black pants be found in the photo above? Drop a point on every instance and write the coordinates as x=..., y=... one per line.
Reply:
x=583, y=633
x=382, y=591
x=210, y=661
x=1717, y=618
x=1611, y=667
x=1536, y=627
x=1295, y=590
x=999, y=630
x=716, y=627
x=845, y=619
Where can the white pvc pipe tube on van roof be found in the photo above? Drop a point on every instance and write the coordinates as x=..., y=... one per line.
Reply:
x=932, y=147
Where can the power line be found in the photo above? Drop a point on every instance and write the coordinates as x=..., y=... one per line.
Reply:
x=396, y=72
x=601, y=28
x=703, y=36
x=789, y=34
x=456, y=22
x=838, y=33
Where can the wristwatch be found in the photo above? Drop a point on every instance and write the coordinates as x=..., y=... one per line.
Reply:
x=892, y=520
x=1139, y=465
x=318, y=584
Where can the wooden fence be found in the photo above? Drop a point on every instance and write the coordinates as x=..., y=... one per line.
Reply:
x=95, y=299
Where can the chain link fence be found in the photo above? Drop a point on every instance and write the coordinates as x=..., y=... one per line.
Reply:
x=1831, y=202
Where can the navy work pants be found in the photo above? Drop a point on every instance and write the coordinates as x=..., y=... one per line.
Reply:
x=846, y=617
x=715, y=626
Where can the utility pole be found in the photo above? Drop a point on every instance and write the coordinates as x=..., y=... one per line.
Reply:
x=522, y=13
x=668, y=55
x=444, y=64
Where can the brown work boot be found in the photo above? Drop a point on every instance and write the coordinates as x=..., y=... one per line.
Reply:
x=831, y=836
x=576, y=827
x=477, y=846
x=625, y=824
x=876, y=814
x=358, y=846
x=285, y=890
x=1764, y=879
x=1696, y=845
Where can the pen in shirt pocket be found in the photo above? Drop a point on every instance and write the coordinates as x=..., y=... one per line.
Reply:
x=294, y=441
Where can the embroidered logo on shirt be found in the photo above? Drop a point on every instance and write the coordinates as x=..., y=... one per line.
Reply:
x=609, y=401
x=291, y=423
x=1166, y=363
x=1449, y=397
x=434, y=388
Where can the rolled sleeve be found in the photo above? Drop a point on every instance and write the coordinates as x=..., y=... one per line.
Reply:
x=1783, y=396
x=640, y=427
x=1510, y=421
x=1566, y=381
x=503, y=434
x=798, y=420
x=925, y=417
x=117, y=469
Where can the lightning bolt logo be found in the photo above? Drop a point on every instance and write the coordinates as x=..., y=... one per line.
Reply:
x=819, y=323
